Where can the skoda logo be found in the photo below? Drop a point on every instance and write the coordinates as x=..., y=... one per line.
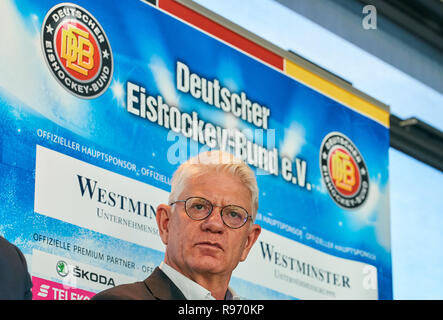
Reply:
x=62, y=268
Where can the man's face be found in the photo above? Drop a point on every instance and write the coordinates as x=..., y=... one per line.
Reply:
x=207, y=246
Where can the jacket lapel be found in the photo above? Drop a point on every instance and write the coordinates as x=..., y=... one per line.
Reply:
x=162, y=287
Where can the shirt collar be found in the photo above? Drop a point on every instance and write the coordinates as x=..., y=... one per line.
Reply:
x=191, y=289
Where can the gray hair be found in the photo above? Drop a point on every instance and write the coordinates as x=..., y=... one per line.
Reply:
x=215, y=161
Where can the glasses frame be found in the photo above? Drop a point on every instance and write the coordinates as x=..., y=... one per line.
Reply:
x=212, y=209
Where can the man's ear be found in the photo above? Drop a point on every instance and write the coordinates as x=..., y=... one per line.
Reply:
x=162, y=216
x=253, y=234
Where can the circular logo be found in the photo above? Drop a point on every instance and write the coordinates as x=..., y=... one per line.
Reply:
x=344, y=171
x=62, y=268
x=77, y=50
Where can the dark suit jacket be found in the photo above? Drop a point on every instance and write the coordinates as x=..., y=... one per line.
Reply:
x=15, y=281
x=155, y=287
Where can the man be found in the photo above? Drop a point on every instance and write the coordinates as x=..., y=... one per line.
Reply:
x=15, y=281
x=207, y=228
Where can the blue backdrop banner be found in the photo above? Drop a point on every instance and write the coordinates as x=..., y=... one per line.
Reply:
x=100, y=102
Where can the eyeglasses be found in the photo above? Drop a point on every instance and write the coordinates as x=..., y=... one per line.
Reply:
x=198, y=208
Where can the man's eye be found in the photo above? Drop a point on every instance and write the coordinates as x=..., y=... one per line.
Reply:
x=234, y=214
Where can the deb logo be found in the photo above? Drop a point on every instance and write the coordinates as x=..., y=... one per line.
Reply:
x=77, y=50
x=344, y=171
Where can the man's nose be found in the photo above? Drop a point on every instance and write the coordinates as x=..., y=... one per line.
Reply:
x=214, y=222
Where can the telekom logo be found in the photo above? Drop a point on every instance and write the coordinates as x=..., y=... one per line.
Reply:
x=48, y=290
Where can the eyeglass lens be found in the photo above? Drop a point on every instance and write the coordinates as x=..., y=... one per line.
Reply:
x=199, y=208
